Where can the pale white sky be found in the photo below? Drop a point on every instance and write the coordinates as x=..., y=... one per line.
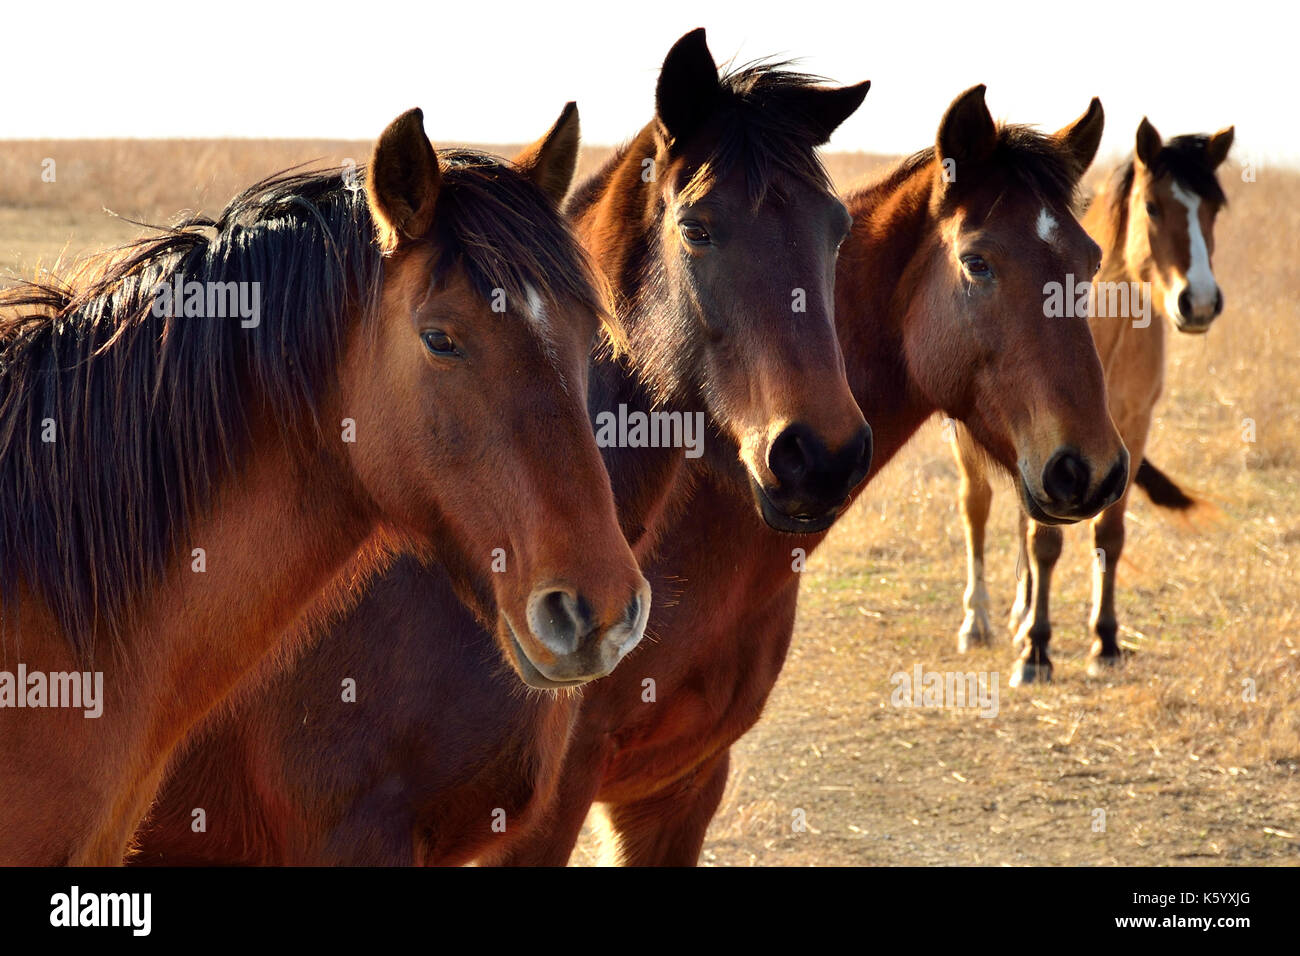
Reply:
x=499, y=71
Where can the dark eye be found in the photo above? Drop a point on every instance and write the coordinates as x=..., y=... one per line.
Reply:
x=1152, y=209
x=694, y=233
x=439, y=343
x=977, y=267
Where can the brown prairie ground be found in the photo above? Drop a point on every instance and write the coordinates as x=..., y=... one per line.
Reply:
x=1186, y=768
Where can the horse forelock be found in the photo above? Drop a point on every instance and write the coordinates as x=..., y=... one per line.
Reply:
x=761, y=130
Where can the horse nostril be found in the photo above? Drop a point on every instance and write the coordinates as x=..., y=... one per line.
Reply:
x=863, y=449
x=1066, y=478
x=1185, y=304
x=633, y=612
x=1116, y=480
x=1218, y=301
x=560, y=620
x=789, y=457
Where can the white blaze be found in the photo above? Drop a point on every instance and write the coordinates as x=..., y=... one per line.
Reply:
x=1046, y=225
x=536, y=308
x=1199, y=280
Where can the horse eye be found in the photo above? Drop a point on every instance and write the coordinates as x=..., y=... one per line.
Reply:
x=1152, y=209
x=695, y=233
x=977, y=267
x=439, y=343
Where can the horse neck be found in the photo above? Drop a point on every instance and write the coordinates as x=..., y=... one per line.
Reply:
x=892, y=226
x=279, y=532
x=1107, y=223
x=615, y=217
x=1109, y=229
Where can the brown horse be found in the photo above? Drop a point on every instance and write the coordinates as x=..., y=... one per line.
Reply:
x=1155, y=222
x=178, y=485
x=718, y=230
x=935, y=284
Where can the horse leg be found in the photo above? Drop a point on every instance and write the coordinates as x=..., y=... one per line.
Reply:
x=668, y=827
x=1024, y=585
x=976, y=496
x=550, y=839
x=1044, y=545
x=1108, y=543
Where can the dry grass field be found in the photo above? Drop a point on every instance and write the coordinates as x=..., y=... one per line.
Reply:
x=1186, y=769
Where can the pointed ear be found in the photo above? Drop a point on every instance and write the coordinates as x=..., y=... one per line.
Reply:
x=826, y=107
x=688, y=87
x=1216, y=150
x=1082, y=137
x=1149, y=143
x=967, y=133
x=403, y=183
x=551, y=161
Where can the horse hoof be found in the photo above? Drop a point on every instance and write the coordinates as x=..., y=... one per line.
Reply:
x=1027, y=672
x=975, y=631
x=1099, y=666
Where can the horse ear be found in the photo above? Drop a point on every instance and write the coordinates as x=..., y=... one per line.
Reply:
x=1217, y=148
x=967, y=133
x=1149, y=143
x=688, y=87
x=826, y=107
x=1082, y=137
x=550, y=162
x=402, y=187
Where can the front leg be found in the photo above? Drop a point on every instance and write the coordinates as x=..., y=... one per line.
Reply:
x=668, y=827
x=976, y=496
x=1024, y=584
x=1108, y=541
x=549, y=841
x=1044, y=548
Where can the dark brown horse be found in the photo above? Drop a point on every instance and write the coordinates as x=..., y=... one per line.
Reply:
x=1155, y=222
x=718, y=230
x=938, y=306
x=198, y=436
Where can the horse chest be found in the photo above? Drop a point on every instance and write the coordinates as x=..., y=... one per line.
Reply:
x=713, y=679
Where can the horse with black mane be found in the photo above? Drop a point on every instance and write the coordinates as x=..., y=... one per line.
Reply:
x=176, y=489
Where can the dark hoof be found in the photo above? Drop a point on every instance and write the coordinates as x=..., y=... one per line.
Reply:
x=1103, y=665
x=1025, y=671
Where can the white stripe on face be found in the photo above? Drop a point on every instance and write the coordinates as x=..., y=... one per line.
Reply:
x=536, y=309
x=542, y=329
x=1199, y=281
x=1046, y=225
